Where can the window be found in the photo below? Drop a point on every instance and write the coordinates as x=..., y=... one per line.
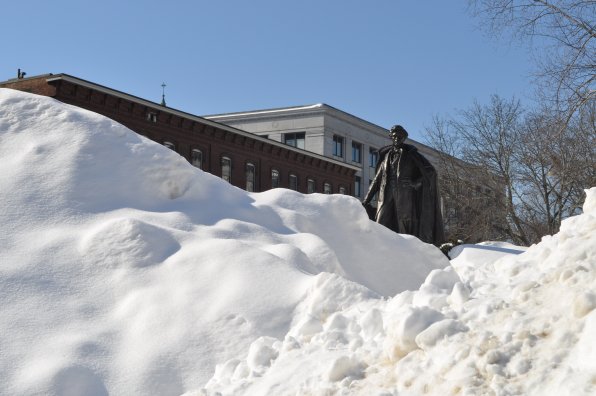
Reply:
x=357, y=186
x=274, y=178
x=310, y=186
x=226, y=169
x=294, y=139
x=338, y=146
x=342, y=190
x=373, y=157
x=293, y=182
x=169, y=145
x=152, y=117
x=356, y=152
x=326, y=188
x=196, y=158
x=250, y=177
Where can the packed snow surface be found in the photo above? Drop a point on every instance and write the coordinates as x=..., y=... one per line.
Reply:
x=126, y=271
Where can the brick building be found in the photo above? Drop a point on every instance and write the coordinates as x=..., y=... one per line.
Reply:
x=248, y=161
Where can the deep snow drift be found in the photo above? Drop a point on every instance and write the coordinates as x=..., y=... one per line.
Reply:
x=498, y=321
x=126, y=271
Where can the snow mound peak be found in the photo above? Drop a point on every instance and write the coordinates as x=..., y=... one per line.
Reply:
x=125, y=270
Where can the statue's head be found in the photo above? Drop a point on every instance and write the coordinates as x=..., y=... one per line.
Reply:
x=398, y=135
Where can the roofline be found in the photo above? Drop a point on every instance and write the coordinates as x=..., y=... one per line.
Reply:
x=263, y=111
x=316, y=108
x=13, y=80
x=321, y=107
x=123, y=95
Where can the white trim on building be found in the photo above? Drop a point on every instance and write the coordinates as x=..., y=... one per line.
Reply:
x=321, y=123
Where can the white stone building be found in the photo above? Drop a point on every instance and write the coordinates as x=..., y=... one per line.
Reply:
x=324, y=130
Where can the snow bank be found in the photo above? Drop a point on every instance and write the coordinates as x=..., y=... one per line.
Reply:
x=124, y=270
x=499, y=321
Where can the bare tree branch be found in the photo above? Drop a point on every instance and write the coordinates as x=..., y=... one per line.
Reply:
x=567, y=43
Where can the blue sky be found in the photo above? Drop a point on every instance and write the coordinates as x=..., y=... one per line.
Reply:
x=387, y=61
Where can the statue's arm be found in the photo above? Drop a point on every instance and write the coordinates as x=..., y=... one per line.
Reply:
x=374, y=187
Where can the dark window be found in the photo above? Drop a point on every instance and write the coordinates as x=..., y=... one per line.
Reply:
x=373, y=157
x=152, y=117
x=357, y=186
x=226, y=169
x=356, y=152
x=293, y=182
x=196, y=158
x=170, y=145
x=310, y=186
x=250, y=177
x=327, y=188
x=295, y=139
x=274, y=178
x=338, y=146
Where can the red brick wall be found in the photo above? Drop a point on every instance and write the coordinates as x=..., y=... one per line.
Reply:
x=187, y=134
x=34, y=85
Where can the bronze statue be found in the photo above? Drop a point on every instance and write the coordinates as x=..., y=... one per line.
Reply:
x=408, y=196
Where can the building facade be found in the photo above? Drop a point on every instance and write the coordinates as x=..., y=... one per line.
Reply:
x=246, y=160
x=324, y=130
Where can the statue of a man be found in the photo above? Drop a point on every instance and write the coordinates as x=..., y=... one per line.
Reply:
x=408, y=196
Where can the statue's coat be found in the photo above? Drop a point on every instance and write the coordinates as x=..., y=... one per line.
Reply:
x=417, y=209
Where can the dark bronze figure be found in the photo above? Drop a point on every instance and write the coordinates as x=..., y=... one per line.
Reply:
x=408, y=195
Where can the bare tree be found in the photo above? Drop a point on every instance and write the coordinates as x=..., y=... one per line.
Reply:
x=546, y=173
x=522, y=173
x=563, y=32
x=473, y=197
x=489, y=135
x=581, y=138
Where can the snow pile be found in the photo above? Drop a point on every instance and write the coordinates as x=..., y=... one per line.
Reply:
x=498, y=321
x=124, y=270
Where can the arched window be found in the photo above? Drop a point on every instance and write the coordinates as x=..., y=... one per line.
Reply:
x=342, y=190
x=274, y=178
x=310, y=186
x=196, y=158
x=293, y=182
x=169, y=145
x=226, y=169
x=250, y=177
x=327, y=188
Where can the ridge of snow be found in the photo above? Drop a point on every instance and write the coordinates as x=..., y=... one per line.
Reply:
x=504, y=323
x=125, y=270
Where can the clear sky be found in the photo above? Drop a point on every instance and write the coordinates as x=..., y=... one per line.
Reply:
x=386, y=61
